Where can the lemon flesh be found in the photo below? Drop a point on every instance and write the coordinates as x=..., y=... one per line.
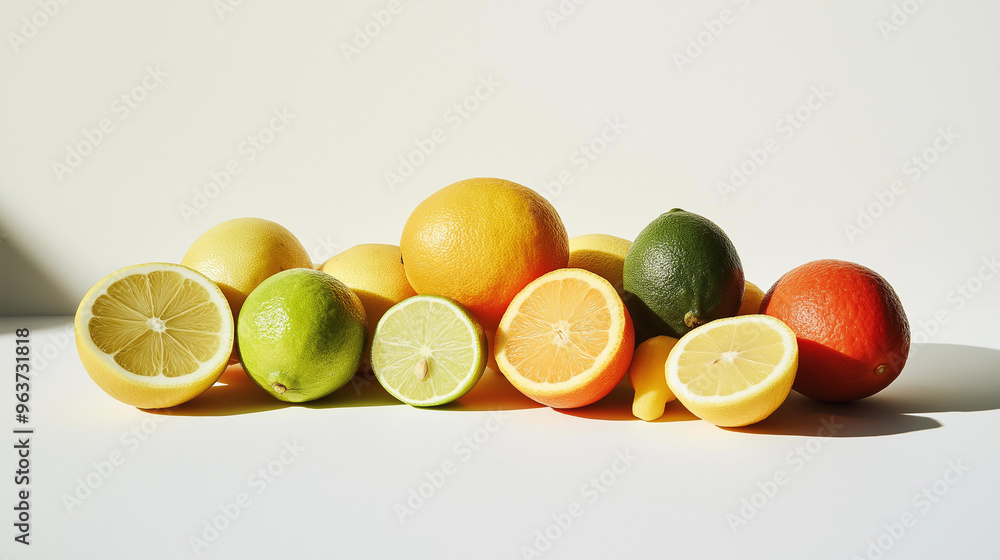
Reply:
x=154, y=335
x=428, y=351
x=734, y=372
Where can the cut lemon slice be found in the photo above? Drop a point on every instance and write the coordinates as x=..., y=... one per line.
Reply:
x=154, y=335
x=736, y=371
x=428, y=350
x=566, y=339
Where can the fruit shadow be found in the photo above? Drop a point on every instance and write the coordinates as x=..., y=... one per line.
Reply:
x=617, y=406
x=937, y=378
x=492, y=392
x=235, y=393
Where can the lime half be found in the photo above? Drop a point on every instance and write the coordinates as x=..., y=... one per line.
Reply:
x=428, y=350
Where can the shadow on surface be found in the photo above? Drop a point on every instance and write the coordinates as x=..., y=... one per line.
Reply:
x=617, y=406
x=28, y=290
x=235, y=393
x=492, y=392
x=937, y=378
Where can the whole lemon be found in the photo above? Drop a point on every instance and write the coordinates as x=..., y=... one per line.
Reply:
x=375, y=272
x=601, y=254
x=479, y=242
x=239, y=254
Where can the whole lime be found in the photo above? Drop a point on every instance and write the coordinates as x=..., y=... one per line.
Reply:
x=681, y=271
x=302, y=334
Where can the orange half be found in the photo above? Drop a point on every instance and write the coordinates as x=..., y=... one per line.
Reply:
x=566, y=339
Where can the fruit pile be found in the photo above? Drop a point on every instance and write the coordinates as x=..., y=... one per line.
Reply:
x=485, y=275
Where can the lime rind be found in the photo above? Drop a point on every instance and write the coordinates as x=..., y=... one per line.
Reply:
x=438, y=331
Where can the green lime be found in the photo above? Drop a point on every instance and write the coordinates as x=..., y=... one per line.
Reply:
x=301, y=334
x=428, y=350
x=681, y=271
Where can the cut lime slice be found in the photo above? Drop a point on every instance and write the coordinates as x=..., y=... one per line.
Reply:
x=428, y=350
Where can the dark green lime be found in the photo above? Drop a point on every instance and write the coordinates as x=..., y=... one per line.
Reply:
x=681, y=271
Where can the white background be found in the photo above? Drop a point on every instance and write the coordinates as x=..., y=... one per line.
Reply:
x=557, y=81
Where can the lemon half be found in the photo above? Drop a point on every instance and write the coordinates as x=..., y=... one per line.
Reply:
x=736, y=371
x=154, y=335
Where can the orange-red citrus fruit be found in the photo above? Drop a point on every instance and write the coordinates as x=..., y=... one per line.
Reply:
x=852, y=331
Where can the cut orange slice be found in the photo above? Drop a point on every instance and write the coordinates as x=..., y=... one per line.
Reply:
x=566, y=339
x=154, y=335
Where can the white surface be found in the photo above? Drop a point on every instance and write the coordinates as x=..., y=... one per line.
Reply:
x=555, y=90
x=515, y=465
x=323, y=176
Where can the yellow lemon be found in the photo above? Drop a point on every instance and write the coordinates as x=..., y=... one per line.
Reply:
x=375, y=272
x=734, y=371
x=752, y=296
x=239, y=254
x=601, y=254
x=154, y=335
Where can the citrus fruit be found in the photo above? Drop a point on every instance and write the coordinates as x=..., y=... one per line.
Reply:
x=601, y=254
x=491, y=360
x=154, y=335
x=852, y=330
x=428, y=351
x=479, y=241
x=734, y=372
x=752, y=296
x=374, y=272
x=301, y=333
x=566, y=340
x=241, y=253
x=648, y=378
x=681, y=272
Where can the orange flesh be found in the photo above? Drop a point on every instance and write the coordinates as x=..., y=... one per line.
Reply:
x=559, y=331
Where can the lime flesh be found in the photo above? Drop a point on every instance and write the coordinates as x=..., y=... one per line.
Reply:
x=428, y=351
